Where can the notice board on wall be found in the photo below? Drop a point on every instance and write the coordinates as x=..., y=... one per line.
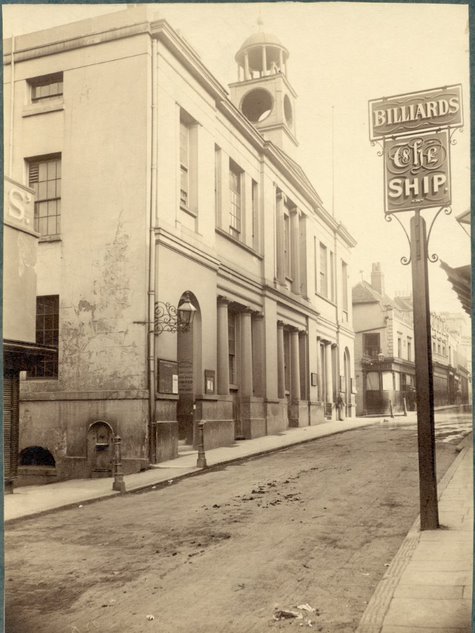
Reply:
x=167, y=376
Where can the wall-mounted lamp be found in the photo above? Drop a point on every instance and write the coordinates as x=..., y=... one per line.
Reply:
x=171, y=319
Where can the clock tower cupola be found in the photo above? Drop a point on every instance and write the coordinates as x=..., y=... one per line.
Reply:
x=263, y=92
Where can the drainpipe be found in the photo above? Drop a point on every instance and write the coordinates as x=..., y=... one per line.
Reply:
x=152, y=263
x=12, y=106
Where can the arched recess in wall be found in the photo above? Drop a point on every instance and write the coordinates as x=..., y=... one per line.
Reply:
x=189, y=357
x=36, y=456
x=100, y=450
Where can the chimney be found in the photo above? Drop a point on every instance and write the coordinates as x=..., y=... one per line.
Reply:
x=377, y=278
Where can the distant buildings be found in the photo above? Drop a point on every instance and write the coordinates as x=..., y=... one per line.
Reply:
x=384, y=351
x=155, y=190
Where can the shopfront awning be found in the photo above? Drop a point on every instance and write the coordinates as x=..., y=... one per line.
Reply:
x=461, y=281
x=21, y=355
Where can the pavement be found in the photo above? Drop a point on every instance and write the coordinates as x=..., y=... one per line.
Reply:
x=427, y=587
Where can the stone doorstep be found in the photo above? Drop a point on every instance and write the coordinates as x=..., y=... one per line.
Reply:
x=437, y=614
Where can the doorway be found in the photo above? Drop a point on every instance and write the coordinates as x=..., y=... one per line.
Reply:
x=189, y=372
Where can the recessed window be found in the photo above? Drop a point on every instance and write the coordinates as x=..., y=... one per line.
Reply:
x=44, y=177
x=232, y=347
x=323, y=271
x=46, y=87
x=188, y=163
x=47, y=333
x=235, y=199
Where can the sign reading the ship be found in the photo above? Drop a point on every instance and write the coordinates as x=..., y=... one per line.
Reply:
x=415, y=112
x=417, y=172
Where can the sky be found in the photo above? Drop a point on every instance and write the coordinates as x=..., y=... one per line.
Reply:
x=342, y=54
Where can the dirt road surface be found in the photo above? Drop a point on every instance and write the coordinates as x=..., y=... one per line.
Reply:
x=314, y=524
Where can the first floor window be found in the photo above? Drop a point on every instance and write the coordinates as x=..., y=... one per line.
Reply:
x=371, y=344
x=235, y=199
x=44, y=177
x=184, y=163
x=47, y=333
x=323, y=271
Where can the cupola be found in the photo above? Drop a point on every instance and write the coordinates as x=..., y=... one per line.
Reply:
x=263, y=92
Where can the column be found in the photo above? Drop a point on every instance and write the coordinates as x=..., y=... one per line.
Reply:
x=281, y=60
x=294, y=366
x=280, y=360
x=303, y=366
x=246, y=353
x=258, y=354
x=264, y=61
x=223, y=347
x=319, y=371
x=246, y=67
x=295, y=262
x=328, y=371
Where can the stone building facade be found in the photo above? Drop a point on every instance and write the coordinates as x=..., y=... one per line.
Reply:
x=156, y=189
x=384, y=352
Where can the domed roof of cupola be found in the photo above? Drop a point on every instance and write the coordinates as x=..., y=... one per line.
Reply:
x=260, y=38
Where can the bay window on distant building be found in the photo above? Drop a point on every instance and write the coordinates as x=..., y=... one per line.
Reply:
x=217, y=184
x=235, y=199
x=44, y=177
x=409, y=348
x=255, y=215
x=371, y=344
x=331, y=271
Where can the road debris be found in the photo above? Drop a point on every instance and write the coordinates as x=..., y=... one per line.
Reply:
x=150, y=617
x=306, y=607
x=286, y=614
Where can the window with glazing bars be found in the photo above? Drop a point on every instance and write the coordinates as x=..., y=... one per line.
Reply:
x=323, y=271
x=184, y=164
x=46, y=87
x=44, y=177
x=235, y=209
x=47, y=333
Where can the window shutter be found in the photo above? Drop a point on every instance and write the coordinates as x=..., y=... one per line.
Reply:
x=33, y=173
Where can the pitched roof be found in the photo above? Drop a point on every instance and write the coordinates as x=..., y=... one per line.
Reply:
x=364, y=292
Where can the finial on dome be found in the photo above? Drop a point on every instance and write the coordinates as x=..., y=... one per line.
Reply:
x=260, y=22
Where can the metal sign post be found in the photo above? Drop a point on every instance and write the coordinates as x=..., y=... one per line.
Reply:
x=414, y=129
x=424, y=383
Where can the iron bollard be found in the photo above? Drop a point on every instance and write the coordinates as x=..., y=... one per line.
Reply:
x=201, y=461
x=118, y=483
x=391, y=412
x=404, y=406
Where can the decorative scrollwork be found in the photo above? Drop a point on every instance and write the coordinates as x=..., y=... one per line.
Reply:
x=405, y=261
x=453, y=140
x=380, y=151
x=434, y=257
x=165, y=317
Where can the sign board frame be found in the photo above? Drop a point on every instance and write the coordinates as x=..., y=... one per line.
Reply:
x=167, y=376
x=424, y=158
x=415, y=112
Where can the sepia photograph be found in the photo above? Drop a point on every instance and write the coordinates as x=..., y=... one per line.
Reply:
x=237, y=354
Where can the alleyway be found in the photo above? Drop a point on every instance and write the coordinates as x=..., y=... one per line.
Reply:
x=317, y=523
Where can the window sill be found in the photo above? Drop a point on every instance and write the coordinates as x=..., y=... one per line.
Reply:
x=238, y=242
x=41, y=378
x=50, y=238
x=326, y=299
x=42, y=108
x=193, y=214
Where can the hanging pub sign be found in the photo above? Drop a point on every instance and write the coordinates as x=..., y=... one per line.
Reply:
x=415, y=112
x=417, y=172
